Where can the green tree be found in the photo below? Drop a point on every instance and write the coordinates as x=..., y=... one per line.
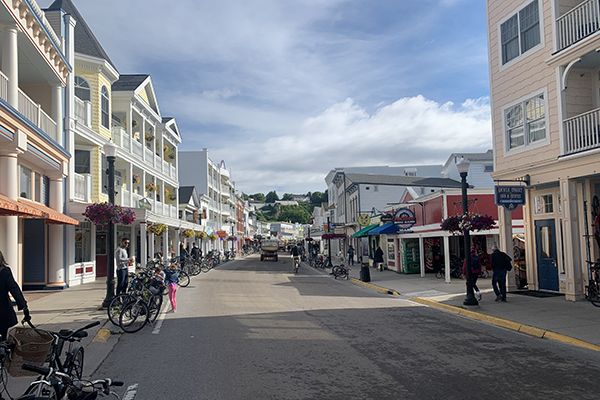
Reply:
x=245, y=196
x=287, y=197
x=316, y=198
x=271, y=197
x=294, y=214
x=258, y=196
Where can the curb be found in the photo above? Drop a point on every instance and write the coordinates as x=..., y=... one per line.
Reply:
x=515, y=326
x=375, y=287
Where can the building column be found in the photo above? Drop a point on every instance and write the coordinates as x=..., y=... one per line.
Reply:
x=10, y=62
x=57, y=112
x=421, y=255
x=571, y=273
x=143, y=244
x=56, y=264
x=447, y=257
x=505, y=237
x=151, y=245
x=9, y=226
x=177, y=239
x=166, y=251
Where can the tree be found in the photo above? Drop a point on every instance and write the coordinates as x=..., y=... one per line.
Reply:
x=316, y=198
x=271, y=197
x=287, y=197
x=245, y=196
x=258, y=196
x=294, y=214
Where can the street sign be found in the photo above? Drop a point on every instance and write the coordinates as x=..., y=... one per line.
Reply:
x=364, y=220
x=510, y=197
x=404, y=218
x=387, y=218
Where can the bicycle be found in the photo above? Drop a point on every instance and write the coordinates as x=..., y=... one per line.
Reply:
x=592, y=290
x=340, y=271
x=6, y=350
x=141, y=288
x=296, y=264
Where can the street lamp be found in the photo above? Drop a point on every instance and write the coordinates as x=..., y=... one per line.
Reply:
x=110, y=149
x=463, y=169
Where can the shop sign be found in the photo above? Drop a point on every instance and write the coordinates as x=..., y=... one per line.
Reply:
x=339, y=231
x=364, y=220
x=222, y=234
x=404, y=218
x=386, y=218
x=143, y=203
x=510, y=197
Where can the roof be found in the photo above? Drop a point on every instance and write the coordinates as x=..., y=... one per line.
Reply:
x=185, y=193
x=85, y=40
x=396, y=180
x=129, y=82
x=488, y=156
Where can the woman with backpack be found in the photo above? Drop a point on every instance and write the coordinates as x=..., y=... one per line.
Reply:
x=475, y=271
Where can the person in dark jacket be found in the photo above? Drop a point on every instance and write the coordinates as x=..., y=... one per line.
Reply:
x=8, y=317
x=501, y=263
x=475, y=271
x=378, y=260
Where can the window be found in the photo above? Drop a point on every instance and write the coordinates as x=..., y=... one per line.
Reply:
x=46, y=190
x=82, y=161
x=104, y=174
x=82, y=89
x=105, y=108
x=488, y=168
x=25, y=188
x=524, y=25
x=526, y=122
x=83, y=242
x=543, y=204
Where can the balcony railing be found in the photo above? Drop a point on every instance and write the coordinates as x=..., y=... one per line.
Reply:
x=82, y=190
x=33, y=112
x=173, y=172
x=582, y=132
x=83, y=112
x=3, y=86
x=578, y=23
x=120, y=137
x=138, y=149
x=149, y=156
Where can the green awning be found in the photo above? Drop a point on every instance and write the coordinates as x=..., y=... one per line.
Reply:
x=364, y=231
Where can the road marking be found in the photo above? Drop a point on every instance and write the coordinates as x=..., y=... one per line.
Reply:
x=159, y=321
x=131, y=392
x=102, y=336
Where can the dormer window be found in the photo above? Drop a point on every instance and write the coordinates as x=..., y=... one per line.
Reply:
x=82, y=89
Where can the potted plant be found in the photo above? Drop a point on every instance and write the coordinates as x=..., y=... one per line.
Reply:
x=201, y=235
x=187, y=233
x=172, y=197
x=212, y=237
x=135, y=178
x=156, y=228
x=151, y=187
x=149, y=136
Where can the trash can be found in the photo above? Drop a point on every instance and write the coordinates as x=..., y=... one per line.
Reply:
x=365, y=274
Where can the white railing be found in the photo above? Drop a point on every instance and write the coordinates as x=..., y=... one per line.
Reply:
x=3, y=86
x=125, y=199
x=83, y=111
x=149, y=156
x=157, y=161
x=33, y=112
x=120, y=137
x=579, y=22
x=173, y=172
x=174, y=212
x=82, y=190
x=136, y=199
x=138, y=148
x=165, y=167
x=582, y=132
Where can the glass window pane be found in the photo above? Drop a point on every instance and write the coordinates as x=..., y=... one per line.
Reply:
x=516, y=137
x=537, y=130
x=509, y=32
x=25, y=189
x=546, y=241
x=38, y=188
x=83, y=245
x=105, y=107
x=514, y=117
x=82, y=161
x=46, y=190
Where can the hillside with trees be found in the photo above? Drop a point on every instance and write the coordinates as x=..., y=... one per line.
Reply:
x=300, y=213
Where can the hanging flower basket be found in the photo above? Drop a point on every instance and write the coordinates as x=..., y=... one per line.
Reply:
x=212, y=237
x=104, y=213
x=232, y=238
x=134, y=124
x=201, y=235
x=156, y=228
x=151, y=187
x=172, y=196
x=149, y=137
x=135, y=178
x=186, y=233
x=165, y=148
x=333, y=236
x=457, y=224
x=171, y=156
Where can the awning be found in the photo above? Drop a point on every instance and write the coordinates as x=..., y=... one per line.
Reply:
x=10, y=207
x=385, y=229
x=363, y=231
x=51, y=216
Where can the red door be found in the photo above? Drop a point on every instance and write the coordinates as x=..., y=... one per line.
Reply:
x=101, y=258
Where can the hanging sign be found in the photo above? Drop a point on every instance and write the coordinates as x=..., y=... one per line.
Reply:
x=404, y=218
x=364, y=220
x=510, y=197
x=386, y=218
x=144, y=204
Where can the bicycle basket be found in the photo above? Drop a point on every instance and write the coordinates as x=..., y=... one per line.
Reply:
x=31, y=347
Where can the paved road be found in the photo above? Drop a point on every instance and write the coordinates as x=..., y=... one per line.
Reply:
x=254, y=330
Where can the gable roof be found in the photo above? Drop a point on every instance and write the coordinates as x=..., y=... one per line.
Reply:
x=185, y=194
x=85, y=40
x=397, y=180
x=129, y=82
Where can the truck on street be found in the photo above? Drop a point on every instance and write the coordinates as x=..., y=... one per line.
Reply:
x=268, y=250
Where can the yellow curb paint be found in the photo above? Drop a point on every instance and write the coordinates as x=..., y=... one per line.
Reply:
x=102, y=336
x=375, y=287
x=526, y=329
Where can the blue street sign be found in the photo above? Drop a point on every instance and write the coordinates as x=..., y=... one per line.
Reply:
x=510, y=197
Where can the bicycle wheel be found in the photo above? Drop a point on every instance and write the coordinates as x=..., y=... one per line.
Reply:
x=184, y=279
x=134, y=317
x=154, y=306
x=342, y=273
x=205, y=267
x=593, y=295
x=75, y=368
x=196, y=269
x=116, y=307
x=439, y=274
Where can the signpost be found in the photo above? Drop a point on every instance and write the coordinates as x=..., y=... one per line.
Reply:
x=510, y=197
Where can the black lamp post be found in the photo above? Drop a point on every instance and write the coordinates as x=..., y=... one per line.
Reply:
x=463, y=170
x=110, y=149
x=329, y=241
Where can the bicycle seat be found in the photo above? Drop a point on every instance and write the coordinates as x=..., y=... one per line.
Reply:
x=67, y=334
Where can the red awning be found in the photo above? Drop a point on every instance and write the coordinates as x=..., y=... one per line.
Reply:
x=10, y=207
x=50, y=215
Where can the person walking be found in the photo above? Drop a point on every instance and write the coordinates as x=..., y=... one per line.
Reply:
x=196, y=253
x=350, y=255
x=8, y=317
x=182, y=253
x=475, y=271
x=378, y=260
x=501, y=263
x=123, y=263
x=171, y=279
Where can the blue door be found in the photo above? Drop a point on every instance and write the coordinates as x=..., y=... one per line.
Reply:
x=545, y=240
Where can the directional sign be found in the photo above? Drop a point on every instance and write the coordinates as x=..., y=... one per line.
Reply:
x=510, y=197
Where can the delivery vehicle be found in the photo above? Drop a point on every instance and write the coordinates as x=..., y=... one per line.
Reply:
x=268, y=250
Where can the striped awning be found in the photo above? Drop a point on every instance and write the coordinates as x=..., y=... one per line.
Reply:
x=10, y=207
x=50, y=215
x=364, y=231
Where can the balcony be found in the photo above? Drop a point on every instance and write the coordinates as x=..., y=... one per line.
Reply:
x=33, y=112
x=82, y=190
x=149, y=156
x=138, y=149
x=83, y=112
x=582, y=132
x=578, y=23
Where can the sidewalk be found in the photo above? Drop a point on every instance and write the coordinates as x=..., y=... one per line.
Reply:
x=550, y=317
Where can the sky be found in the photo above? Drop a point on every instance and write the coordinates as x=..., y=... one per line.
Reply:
x=286, y=90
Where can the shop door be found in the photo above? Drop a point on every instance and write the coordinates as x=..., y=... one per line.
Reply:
x=545, y=238
x=34, y=253
x=101, y=256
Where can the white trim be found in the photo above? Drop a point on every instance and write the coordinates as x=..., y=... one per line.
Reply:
x=529, y=52
x=526, y=147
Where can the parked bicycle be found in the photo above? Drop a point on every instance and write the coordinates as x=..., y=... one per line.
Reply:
x=592, y=290
x=340, y=271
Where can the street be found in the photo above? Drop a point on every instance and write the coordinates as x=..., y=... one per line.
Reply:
x=254, y=330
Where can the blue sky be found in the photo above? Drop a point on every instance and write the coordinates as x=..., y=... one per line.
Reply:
x=285, y=91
